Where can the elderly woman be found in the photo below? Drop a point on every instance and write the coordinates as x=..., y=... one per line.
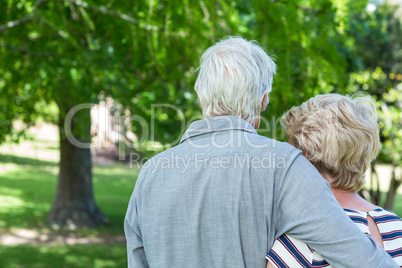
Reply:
x=340, y=137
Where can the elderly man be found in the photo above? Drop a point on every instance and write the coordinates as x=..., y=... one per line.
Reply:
x=224, y=194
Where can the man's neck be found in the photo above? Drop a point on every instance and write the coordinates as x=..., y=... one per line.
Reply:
x=255, y=123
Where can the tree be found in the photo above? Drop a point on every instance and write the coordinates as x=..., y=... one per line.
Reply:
x=67, y=52
x=142, y=53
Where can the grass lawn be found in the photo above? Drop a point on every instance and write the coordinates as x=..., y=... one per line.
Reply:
x=398, y=206
x=27, y=188
x=79, y=256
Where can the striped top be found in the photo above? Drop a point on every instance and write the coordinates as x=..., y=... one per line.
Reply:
x=290, y=252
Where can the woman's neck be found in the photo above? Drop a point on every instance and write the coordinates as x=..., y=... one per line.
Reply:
x=350, y=199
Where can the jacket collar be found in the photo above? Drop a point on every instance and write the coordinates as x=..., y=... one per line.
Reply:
x=217, y=124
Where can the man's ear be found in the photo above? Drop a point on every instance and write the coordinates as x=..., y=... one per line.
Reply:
x=264, y=102
x=199, y=102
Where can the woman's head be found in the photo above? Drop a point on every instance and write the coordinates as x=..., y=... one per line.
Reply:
x=338, y=135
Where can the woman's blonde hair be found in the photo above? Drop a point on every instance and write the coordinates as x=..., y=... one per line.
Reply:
x=337, y=134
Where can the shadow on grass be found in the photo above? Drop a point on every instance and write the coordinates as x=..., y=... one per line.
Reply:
x=26, y=196
x=77, y=256
x=52, y=148
x=20, y=160
x=113, y=187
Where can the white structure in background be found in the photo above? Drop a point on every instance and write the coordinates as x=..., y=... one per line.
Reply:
x=108, y=126
x=399, y=11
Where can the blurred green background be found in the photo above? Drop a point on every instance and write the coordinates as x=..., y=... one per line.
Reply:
x=130, y=63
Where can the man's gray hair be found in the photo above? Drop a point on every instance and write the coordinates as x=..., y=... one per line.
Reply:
x=233, y=78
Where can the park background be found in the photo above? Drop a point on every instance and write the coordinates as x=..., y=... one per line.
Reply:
x=129, y=63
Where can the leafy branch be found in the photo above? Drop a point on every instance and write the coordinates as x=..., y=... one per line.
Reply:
x=15, y=23
x=30, y=52
x=313, y=10
x=101, y=9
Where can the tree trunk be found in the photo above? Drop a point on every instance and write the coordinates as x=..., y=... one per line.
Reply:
x=74, y=205
x=393, y=187
x=374, y=192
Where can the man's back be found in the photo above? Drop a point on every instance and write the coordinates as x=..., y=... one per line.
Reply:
x=206, y=206
x=222, y=196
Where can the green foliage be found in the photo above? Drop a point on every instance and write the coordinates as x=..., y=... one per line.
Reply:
x=378, y=72
x=64, y=53
x=377, y=40
x=146, y=52
x=388, y=100
x=391, y=124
